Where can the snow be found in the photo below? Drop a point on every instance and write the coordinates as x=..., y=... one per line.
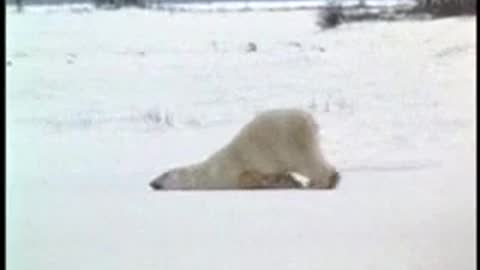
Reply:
x=99, y=103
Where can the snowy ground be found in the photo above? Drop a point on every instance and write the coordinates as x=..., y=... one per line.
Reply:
x=98, y=103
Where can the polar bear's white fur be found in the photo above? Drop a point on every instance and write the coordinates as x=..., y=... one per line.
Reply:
x=273, y=144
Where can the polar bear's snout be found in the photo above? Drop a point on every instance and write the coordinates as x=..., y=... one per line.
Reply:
x=156, y=185
x=159, y=182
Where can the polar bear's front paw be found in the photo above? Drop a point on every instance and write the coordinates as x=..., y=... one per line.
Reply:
x=299, y=179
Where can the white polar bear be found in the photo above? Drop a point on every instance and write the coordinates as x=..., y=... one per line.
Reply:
x=277, y=149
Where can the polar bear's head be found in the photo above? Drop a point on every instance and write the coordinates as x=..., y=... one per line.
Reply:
x=178, y=178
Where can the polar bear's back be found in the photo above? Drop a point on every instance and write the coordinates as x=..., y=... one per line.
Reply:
x=276, y=140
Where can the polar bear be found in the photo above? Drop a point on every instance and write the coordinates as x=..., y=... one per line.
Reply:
x=272, y=151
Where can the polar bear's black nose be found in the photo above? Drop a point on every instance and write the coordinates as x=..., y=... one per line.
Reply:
x=155, y=185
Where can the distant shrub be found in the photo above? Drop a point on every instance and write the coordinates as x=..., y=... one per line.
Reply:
x=330, y=17
x=443, y=8
x=154, y=117
x=251, y=47
x=118, y=3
